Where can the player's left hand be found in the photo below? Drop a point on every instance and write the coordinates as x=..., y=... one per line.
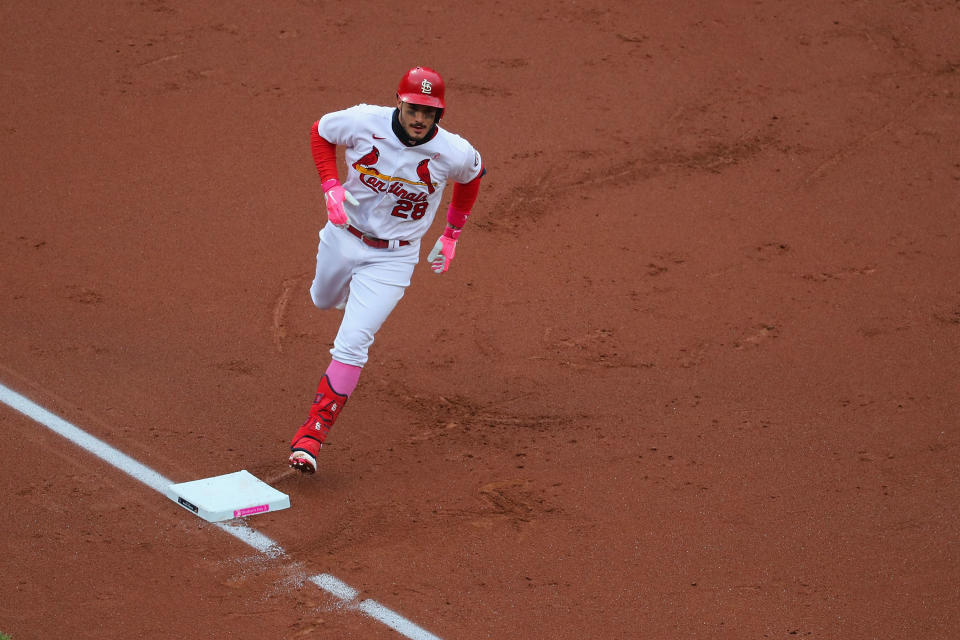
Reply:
x=442, y=253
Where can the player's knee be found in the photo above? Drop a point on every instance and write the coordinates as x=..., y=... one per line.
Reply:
x=323, y=299
x=319, y=301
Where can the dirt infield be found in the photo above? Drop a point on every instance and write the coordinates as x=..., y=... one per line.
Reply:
x=693, y=373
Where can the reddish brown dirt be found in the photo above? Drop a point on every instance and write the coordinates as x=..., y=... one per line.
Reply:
x=692, y=375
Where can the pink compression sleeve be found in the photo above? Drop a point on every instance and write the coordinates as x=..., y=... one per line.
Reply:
x=343, y=377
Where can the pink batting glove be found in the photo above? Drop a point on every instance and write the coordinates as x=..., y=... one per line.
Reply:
x=443, y=251
x=335, y=194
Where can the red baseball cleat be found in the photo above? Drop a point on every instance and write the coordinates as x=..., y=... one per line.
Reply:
x=306, y=442
x=303, y=461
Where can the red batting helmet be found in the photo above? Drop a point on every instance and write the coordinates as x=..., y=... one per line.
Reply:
x=423, y=86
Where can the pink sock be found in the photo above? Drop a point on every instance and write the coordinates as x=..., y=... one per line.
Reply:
x=343, y=377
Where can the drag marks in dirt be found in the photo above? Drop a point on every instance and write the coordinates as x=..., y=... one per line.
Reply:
x=516, y=503
x=278, y=326
x=348, y=598
x=599, y=348
x=443, y=416
x=293, y=319
x=728, y=127
x=172, y=56
x=578, y=173
x=461, y=427
x=948, y=315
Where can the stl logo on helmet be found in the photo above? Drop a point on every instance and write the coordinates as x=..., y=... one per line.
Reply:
x=426, y=87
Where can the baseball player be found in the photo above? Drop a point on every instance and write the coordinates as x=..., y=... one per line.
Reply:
x=398, y=162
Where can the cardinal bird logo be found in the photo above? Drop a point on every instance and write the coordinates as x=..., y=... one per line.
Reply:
x=368, y=160
x=423, y=172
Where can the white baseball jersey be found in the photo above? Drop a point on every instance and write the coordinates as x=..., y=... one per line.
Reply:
x=398, y=188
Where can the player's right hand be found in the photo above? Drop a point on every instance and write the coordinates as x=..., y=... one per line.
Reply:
x=335, y=194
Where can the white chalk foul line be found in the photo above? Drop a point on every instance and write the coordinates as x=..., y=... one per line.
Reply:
x=341, y=590
x=251, y=537
x=99, y=448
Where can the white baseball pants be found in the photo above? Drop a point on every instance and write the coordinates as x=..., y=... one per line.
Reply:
x=375, y=280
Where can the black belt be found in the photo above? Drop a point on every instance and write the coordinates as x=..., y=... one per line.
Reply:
x=370, y=241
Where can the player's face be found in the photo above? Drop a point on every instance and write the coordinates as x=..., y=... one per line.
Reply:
x=416, y=119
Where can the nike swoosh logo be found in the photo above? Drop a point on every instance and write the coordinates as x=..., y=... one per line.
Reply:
x=376, y=137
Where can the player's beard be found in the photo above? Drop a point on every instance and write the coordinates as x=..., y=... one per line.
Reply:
x=401, y=131
x=417, y=131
